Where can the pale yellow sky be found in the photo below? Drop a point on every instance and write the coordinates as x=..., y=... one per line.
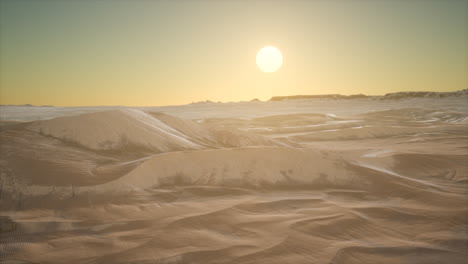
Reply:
x=142, y=53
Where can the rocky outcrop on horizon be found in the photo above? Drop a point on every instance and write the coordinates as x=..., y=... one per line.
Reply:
x=403, y=95
x=397, y=95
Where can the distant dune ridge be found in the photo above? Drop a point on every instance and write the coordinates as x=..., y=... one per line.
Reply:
x=397, y=95
x=263, y=182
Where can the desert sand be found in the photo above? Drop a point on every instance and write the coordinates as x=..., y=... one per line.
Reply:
x=294, y=181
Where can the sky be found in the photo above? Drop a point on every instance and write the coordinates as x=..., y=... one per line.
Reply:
x=148, y=53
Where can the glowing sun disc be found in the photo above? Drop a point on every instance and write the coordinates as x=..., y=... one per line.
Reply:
x=269, y=59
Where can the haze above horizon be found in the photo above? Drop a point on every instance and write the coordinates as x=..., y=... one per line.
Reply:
x=142, y=53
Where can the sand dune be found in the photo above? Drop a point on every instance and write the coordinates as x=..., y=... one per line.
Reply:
x=256, y=167
x=115, y=129
x=130, y=128
x=133, y=186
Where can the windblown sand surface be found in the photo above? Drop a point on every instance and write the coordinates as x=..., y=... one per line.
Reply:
x=228, y=183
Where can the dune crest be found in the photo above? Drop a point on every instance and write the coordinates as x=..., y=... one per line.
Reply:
x=128, y=128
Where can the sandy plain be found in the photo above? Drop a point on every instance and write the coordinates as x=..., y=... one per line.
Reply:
x=298, y=181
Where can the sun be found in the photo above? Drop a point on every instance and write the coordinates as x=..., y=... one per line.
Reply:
x=269, y=59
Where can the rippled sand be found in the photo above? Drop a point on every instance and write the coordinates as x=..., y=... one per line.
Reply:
x=305, y=186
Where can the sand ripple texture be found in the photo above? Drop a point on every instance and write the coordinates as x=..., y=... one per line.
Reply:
x=137, y=187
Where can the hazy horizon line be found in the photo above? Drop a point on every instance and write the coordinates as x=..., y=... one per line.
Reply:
x=210, y=101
